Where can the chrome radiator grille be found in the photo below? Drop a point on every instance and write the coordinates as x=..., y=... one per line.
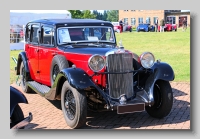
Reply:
x=120, y=83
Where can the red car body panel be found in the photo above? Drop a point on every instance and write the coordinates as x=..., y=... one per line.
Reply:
x=41, y=58
x=125, y=27
x=169, y=27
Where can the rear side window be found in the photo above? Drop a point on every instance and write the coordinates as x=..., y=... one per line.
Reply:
x=47, y=36
x=27, y=33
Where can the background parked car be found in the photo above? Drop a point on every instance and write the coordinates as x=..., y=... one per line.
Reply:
x=117, y=27
x=17, y=120
x=145, y=27
x=169, y=27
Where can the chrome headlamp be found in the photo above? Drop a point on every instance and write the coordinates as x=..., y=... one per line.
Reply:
x=147, y=60
x=96, y=63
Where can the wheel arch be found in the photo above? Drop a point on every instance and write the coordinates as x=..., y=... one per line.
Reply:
x=160, y=71
x=23, y=58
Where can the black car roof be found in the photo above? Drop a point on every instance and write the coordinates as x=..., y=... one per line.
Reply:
x=61, y=21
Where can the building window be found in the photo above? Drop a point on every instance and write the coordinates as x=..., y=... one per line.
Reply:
x=125, y=10
x=132, y=10
x=148, y=20
x=154, y=20
x=140, y=20
x=171, y=19
x=125, y=20
x=140, y=10
x=133, y=21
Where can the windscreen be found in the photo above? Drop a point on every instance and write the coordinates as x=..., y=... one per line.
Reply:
x=85, y=34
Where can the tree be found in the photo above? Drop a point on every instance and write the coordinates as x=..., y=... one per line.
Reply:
x=76, y=13
x=105, y=15
x=87, y=14
x=113, y=15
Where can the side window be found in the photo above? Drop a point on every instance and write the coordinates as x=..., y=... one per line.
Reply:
x=27, y=33
x=34, y=37
x=47, y=36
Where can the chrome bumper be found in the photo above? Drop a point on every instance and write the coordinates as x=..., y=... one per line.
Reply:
x=24, y=122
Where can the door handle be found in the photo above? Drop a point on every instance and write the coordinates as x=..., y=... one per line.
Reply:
x=36, y=50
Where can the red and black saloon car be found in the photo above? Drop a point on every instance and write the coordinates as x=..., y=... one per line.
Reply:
x=79, y=62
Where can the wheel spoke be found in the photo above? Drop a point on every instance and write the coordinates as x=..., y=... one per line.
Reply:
x=69, y=100
x=55, y=71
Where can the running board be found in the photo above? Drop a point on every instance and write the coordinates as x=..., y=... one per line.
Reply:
x=38, y=88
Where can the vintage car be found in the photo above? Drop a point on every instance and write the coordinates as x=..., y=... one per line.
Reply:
x=169, y=27
x=145, y=27
x=17, y=120
x=117, y=27
x=80, y=63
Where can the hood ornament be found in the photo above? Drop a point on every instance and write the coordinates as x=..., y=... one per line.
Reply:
x=121, y=45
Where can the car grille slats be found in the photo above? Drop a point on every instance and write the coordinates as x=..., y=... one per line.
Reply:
x=120, y=83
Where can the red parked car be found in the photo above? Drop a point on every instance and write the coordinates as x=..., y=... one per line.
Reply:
x=79, y=62
x=169, y=27
x=117, y=27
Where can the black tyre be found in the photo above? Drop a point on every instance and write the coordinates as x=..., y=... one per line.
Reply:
x=163, y=98
x=16, y=116
x=59, y=63
x=74, y=106
x=131, y=30
x=23, y=79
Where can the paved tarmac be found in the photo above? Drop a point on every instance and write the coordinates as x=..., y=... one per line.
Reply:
x=48, y=114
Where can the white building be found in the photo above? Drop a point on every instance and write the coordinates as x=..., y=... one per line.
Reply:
x=21, y=17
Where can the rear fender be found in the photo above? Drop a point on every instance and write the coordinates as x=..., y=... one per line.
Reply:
x=16, y=97
x=160, y=71
x=23, y=58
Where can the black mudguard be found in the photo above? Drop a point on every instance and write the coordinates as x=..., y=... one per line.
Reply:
x=16, y=97
x=23, y=58
x=160, y=71
x=78, y=79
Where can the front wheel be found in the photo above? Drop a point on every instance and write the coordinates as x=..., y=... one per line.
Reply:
x=16, y=116
x=74, y=106
x=163, y=100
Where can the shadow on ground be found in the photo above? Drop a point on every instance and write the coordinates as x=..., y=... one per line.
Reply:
x=110, y=119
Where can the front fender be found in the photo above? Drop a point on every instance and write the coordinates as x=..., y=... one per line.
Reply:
x=78, y=79
x=163, y=71
x=16, y=97
x=160, y=71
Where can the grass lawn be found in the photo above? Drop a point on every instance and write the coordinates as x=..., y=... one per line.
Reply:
x=171, y=47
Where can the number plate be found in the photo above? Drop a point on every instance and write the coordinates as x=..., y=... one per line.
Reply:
x=130, y=108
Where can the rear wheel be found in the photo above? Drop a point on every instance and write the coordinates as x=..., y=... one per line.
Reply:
x=16, y=116
x=130, y=30
x=74, y=106
x=163, y=98
x=23, y=79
